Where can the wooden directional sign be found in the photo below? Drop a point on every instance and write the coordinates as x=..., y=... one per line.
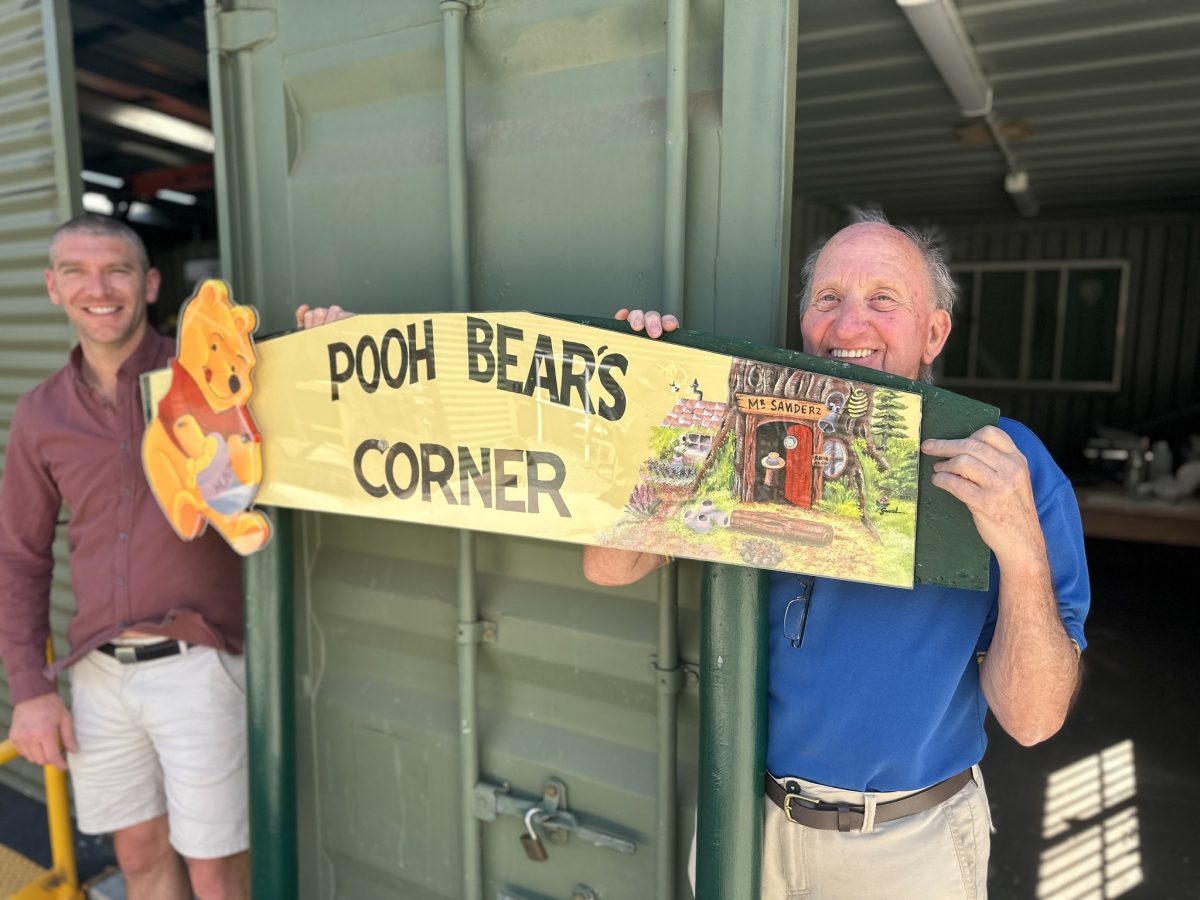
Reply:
x=532, y=425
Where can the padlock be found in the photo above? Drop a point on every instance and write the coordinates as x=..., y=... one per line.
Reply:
x=531, y=841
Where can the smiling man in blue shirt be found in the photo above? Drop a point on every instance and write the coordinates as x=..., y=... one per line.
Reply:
x=875, y=726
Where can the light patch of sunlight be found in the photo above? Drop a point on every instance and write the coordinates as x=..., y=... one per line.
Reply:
x=1103, y=860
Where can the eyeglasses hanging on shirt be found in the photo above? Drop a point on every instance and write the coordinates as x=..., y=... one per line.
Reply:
x=795, y=614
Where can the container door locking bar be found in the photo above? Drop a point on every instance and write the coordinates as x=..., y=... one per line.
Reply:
x=552, y=815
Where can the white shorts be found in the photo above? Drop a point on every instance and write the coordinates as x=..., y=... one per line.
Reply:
x=163, y=736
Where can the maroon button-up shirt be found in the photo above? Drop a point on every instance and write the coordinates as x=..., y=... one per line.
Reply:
x=129, y=570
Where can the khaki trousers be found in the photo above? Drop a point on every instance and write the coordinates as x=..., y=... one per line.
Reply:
x=938, y=854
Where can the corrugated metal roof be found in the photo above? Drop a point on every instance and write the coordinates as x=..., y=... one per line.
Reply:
x=1109, y=89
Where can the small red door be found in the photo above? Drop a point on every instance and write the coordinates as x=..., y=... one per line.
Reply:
x=798, y=487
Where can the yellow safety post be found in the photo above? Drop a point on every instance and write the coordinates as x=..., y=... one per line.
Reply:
x=61, y=882
x=7, y=752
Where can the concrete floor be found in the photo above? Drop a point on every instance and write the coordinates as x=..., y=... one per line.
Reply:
x=23, y=828
x=1121, y=817
x=1108, y=808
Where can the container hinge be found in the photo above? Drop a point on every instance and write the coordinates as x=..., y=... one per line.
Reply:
x=672, y=681
x=492, y=800
x=246, y=29
x=481, y=631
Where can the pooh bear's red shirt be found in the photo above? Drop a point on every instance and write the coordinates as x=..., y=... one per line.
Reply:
x=186, y=398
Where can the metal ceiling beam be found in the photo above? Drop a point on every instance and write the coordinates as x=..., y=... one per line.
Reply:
x=1140, y=62
x=187, y=179
x=193, y=92
x=114, y=92
x=891, y=92
x=144, y=120
x=1175, y=113
x=153, y=153
x=896, y=150
x=902, y=61
x=1008, y=7
x=1093, y=149
x=1094, y=91
x=1129, y=28
x=904, y=146
x=91, y=36
x=165, y=22
x=861, y=28
x=829, y=121
x=931, y=163
x=1183, y=164
x=881, y=188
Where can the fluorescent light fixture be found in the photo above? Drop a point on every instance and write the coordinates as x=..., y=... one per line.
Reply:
x=160, y=125
x=109, y=181
x=940, y=29
x=176, y=197
x=1017, y=185
x=97, y=203
x=140, y=210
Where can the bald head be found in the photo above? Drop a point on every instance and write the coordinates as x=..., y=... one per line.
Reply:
x=941, y=283
x=872, y=299
x=101, y=226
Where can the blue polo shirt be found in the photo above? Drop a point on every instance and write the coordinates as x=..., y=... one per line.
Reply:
x=884, y=695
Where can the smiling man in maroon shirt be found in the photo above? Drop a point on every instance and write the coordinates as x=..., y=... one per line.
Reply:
x=156, y=733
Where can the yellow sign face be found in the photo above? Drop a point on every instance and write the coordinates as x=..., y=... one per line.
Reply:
x=527, y=425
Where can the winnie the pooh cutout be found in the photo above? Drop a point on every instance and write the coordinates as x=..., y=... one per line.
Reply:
x=202, y=452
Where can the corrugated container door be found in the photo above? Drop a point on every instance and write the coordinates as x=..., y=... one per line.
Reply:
x=566, y=692
x=39, y=179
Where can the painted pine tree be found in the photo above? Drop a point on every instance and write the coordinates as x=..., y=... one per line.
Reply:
x=889, y=416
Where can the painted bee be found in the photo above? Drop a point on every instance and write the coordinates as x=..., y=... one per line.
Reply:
x=856, y=406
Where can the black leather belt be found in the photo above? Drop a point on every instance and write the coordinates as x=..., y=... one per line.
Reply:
x=804, y=810
x=135, y=653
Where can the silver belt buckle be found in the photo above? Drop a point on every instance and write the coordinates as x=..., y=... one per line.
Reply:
x=125, y=654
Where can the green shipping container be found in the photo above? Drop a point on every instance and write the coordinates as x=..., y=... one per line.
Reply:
x=563, y=156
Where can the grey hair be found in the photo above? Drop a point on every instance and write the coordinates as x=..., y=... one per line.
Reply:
x=926, y=241
x=102, y=226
